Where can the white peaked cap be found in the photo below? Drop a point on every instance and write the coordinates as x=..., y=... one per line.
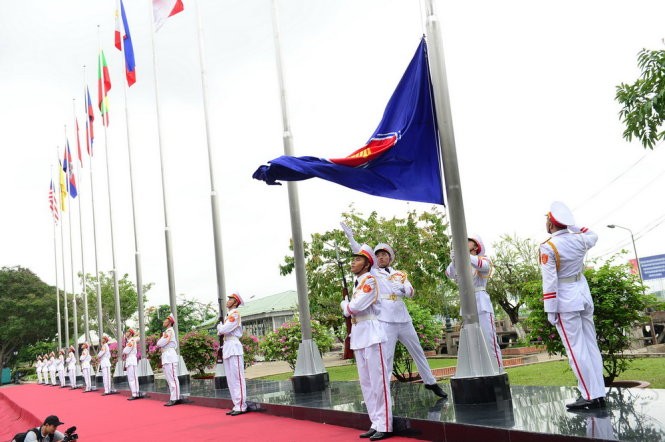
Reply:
x=387, y=248
x=237, y=297
x=368, y=253
x=479, y=241
x=561, y=215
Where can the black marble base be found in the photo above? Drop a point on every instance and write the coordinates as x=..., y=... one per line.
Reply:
x=119, y=379
x=481, y=390
x=221, y=383
x=535, y=414
x=184, y=379
x=150, y=379
x=310, y=383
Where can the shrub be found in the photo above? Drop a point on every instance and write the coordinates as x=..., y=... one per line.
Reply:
x=283, y=343
x=250, y=346
x=199, y=350
x=154, y=354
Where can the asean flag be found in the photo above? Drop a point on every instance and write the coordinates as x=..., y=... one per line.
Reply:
x=401, y=158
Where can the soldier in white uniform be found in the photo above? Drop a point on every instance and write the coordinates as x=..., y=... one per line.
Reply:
x=131, y=363
x=368, y=340
x=397, y=324
x=482, y=271
x=104, y=357
x=38, y=369
x=45, y=369
x=52, y=365
x=568, y=302
x=232, y=352
x=85, y=366
x=71, y=366
x=168, y=343
x=61, y=368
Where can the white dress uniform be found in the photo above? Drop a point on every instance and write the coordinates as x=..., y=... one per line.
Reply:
x=168, y=343
x=104, y=357
x=234, y=361
x=131, y=362
x=85, y=367
x=482, y=270
x=368, y=341
x=52, y=365
x=38, y=370
x=566, y=296
x=71, y=367
x=61, y=369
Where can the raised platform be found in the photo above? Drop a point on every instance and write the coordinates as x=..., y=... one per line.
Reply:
x=536, y=414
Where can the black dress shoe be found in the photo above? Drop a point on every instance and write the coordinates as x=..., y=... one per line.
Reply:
x=436, y=389
x=369, y=433
x=236, y=413
x=228, y=413
x=583, y=404
x=380, y=435
x=131, y=398
x=170, y=403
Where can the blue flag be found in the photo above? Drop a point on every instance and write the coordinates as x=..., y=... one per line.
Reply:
x=400, y=160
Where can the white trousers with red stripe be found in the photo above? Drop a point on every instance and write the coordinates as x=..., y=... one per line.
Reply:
x=106, y=377
x=133, y=380
x=61, y=376
x=486, y=321
x=72, y=376
x=86, y=378
x=375, y=385
x=234, y=367
x=578, y=335
x=406, y=334
x=171, y=375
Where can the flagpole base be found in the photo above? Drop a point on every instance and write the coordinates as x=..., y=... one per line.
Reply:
x=310, y=383
x=481, y=390
x=220, y=376
x=145, y=373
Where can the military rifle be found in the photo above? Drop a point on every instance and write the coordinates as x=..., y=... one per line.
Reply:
x=348, y=353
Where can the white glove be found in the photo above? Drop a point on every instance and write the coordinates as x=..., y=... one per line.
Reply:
x=344, y=304
x=347, y=230
x=553, y=318
x=574, y=229
x=398, y=288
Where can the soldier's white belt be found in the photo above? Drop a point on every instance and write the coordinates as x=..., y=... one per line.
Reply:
x=574, y=278
x=231, y=338
x=479, y=289
x=392, y=297
x=357, y=319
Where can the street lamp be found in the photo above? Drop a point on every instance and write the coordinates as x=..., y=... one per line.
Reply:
x=637, y=259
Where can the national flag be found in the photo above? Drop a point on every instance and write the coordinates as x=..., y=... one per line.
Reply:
x=53, y=202
x=66, y=157
x=89, y=131
x=103, y=87
x=63, y=189
x=122, y=35
x=68, y=167
x=401, y=158
x=163, y=9
x=78, y=142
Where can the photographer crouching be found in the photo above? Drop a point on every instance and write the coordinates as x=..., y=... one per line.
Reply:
x=47, y=432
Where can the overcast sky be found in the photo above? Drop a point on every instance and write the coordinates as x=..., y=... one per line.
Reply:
x=532, y=89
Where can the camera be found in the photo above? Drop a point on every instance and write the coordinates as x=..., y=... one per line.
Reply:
x=70, y=434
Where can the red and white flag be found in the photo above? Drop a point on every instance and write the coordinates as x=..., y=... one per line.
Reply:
x=163, y=9
x=53, y=203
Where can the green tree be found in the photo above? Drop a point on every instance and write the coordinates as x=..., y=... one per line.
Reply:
x=199, y=350
x=128, y=301
x=619, y=305
x=283, y=343
x=421, y=245
x=516, y=276
x=28, y=311
x=191, y=313
x=643, y=101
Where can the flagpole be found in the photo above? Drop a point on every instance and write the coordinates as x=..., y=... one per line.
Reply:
x=98, y=289
x=183, y=372
x=220, y=374
x=144, y=369
x=116, y=293
x=71, y=247
x=310, y=373
x=64, y=278
x=478, y=378
x=84, y=293
x=55, y=258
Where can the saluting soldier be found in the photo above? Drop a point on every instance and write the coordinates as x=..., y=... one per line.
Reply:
x=52, y=366
x=104, y=357
x=367, y=342
x=38, y=369
x=85, y=359
x=131, y=362
x=568, y=302
x=233, y=355
x=170, y=360
x=394, y=286
x=61, y=368
x=71, y=366
x=481, y=272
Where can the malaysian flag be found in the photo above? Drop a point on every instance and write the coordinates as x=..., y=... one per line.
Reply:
x=53, y=202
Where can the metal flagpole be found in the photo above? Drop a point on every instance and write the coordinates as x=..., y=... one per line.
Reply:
x=144, y=370
x=55, y=258
x=167, y=230
x=220, y=375
x=116, y=293
x=71, y=248
x=64, y=278
x=84, y=293
x=478, y=378
x=310, y=373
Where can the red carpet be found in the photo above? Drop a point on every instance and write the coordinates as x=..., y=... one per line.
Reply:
x=100, y=418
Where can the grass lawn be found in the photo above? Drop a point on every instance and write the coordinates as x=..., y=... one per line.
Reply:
x=651, y=370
